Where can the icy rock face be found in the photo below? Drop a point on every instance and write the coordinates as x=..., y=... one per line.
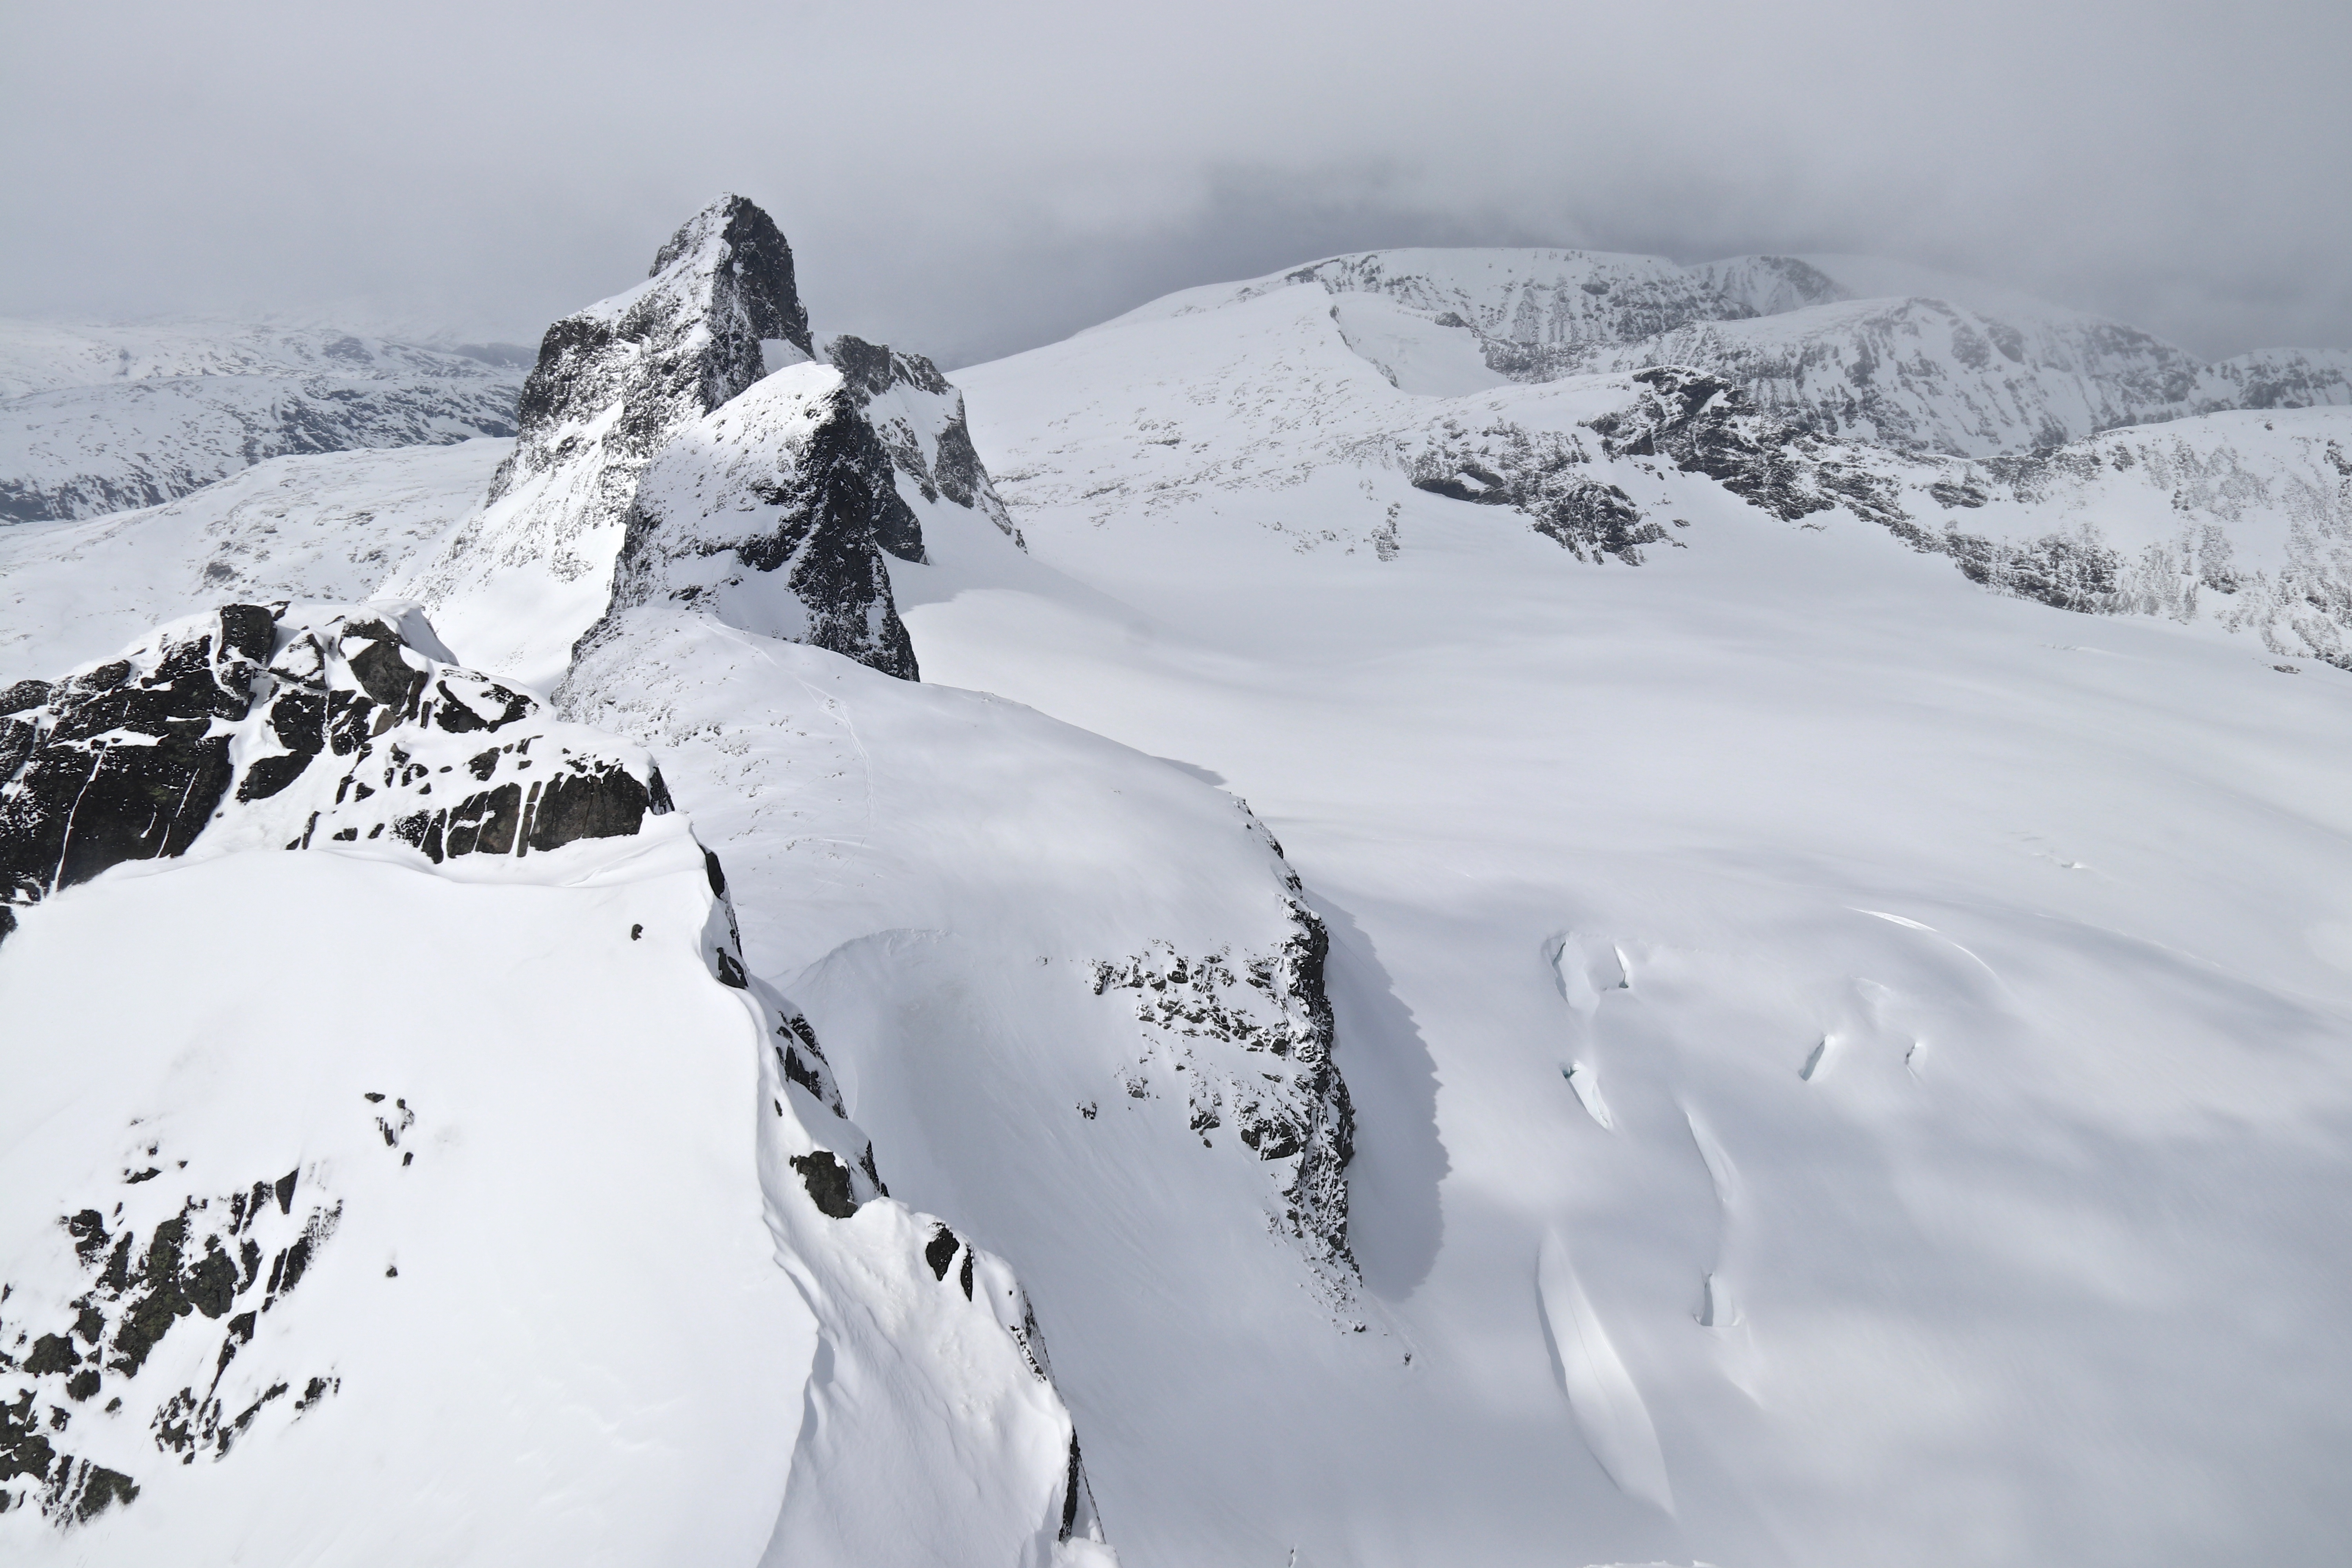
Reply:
x=1707, y=426
x=1535, y=471
x=334, y=725
x=517, y=586
x=769, y=514
x=102, y=419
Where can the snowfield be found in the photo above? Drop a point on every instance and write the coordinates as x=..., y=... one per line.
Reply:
x=328, y=527
x=1473, y=947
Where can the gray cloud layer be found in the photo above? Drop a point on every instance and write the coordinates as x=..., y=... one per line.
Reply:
x=974, y=180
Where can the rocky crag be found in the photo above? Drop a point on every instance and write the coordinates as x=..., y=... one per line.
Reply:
x=258, y=727
x=633, y=384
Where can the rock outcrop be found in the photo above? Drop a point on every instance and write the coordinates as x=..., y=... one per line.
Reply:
x=623, y=448
x=515, y=585
x=264, y=726
x=1247, y=1041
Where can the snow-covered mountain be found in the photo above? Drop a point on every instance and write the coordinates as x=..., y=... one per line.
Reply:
x=1286, y=392
x=1775, y=997
x=1850, y=346
x=932, y=1425
x=104, y=418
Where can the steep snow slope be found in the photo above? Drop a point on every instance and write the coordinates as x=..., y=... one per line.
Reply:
x=1846, y=345
x=98, y=419
x=476, y=1304
x=1848, y=1068
x=329, y=526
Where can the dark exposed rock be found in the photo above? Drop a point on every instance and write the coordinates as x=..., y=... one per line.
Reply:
x=827, y=1180
x=1291, y=1105
x=131, y=759
x=1536, y=473
x=918, y=415
x=941, y=1250
x=125, y=760
x=1706, y=426
x=665, y=353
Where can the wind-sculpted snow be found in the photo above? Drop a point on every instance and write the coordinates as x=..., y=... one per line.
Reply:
x=1919, y=371
x=1159, y=975
x=104, y=419
x=771, y=514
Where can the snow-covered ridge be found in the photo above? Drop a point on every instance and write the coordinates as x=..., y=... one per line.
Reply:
x=105, y=418
x=327, y=529
x=1870, y=350
x=932, y=1425
x=1288, y=391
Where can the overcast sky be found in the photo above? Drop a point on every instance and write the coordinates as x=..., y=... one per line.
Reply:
x=971, y=180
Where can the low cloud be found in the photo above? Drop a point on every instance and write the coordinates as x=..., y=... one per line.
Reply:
x=974, y=180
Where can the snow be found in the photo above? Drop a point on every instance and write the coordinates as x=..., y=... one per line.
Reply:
x=587, y=1244
x=1906, y=357
x=98, y=419
x=1846, y=1067
x=329, y=526
x=2036, y=1264
x=585, y=1297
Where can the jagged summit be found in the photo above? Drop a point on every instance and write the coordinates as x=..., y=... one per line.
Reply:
x=622, y=384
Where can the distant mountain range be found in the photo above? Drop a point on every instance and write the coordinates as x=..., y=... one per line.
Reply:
x=105, y=418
